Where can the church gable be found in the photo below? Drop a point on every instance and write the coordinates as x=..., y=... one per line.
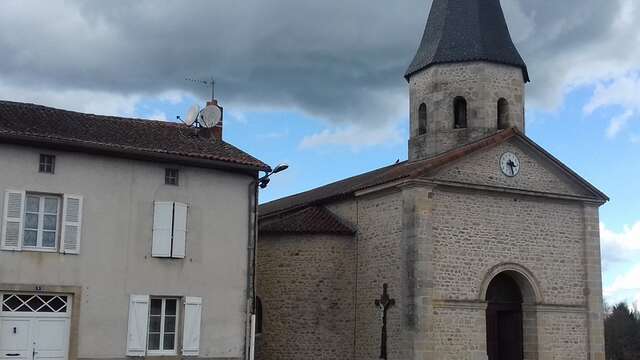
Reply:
x=538, y=171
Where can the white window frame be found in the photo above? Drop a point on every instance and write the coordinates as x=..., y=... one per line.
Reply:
x=40, y=230
x=67, y=313
x=172, y=176
x=162, y=352
x=44, y=165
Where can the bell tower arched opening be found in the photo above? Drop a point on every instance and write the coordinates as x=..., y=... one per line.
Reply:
x=422, y=119
x=460, y=113
x=503, y=114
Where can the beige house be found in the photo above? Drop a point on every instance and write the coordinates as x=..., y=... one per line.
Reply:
x=122, y=237
x=482, y=246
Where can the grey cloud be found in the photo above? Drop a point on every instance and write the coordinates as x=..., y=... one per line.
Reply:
x=338, y=60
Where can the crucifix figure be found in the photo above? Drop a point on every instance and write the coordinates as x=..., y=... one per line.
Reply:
x=383, y=304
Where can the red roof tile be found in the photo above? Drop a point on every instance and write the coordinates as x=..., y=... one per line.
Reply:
x=311, y=220
x=117, y=136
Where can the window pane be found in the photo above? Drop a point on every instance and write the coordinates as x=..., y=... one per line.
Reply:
x=156, y=306
x=154, y=324
x=31, y=221
x=33, y=203
x=58, y=303
x=30, y=238
x=51, y=205
x=169, y=341
x=11, y=303
x=170, y=324
x=49, y=239
x=36, y=303
x=170, y=308
x=154, y=341
x=50, y=222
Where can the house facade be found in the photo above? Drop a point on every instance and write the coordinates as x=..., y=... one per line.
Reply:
x=482, y=246
x=122, y=237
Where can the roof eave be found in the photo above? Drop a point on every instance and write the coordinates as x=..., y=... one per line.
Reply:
x=594, y=190
x=414, y=70
x=135, y=154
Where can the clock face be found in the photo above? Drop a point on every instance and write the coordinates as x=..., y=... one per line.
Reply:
x=510, y=164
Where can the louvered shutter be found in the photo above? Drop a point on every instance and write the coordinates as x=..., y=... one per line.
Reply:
x=179, y=230
x=71, y=224
x=138, y=319
x=12, y=220
x=162, y=226
x=191, y=334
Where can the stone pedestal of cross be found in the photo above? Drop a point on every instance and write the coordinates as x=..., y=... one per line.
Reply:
x=383, y=304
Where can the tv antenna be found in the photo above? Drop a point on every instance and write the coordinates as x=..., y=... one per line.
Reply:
x=211, y=82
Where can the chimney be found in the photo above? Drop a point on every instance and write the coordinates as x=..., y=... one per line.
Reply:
x=216, y=131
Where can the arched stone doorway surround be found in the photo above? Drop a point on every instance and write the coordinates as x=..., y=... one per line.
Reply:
x=531, y=298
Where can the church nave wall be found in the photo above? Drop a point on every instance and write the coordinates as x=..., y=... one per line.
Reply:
x=475, y=231
x=562, y=335
x=306, y=285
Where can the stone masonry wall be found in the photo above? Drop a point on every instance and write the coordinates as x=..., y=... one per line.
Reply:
x=562, y=335
x=475, y=231
x=379, y=262
x=306, y=284
x=481, y=84
x=459, y=333
x=535, y=173
x=378, y=219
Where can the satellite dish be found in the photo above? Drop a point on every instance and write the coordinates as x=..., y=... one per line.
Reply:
x=192, y=115
x=211, y=116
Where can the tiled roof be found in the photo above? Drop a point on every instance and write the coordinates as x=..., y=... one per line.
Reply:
x=310, y=220
x=463, y=31
x=116, y=136
x=405, y=170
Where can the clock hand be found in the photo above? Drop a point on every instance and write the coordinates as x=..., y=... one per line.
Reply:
x=512, y=165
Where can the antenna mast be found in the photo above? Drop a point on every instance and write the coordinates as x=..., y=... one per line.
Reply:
x=211, y=82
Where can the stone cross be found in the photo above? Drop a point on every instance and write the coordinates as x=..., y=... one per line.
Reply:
x=383, y=304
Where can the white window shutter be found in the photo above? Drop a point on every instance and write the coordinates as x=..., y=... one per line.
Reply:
x=179, y=230
x=12, y=220
x=71, y=224
x=162, y=226
x=138, y=320
x=191, y=334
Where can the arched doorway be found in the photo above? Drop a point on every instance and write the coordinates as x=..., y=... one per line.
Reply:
x=504, y=319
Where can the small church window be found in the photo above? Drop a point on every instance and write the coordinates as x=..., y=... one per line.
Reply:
x=422, y=119
x=460, y=112
x=503, y=114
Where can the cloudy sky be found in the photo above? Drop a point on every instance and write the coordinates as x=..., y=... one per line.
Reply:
x=319, y=84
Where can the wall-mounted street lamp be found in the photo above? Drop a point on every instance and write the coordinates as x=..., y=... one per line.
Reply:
x=263, y=182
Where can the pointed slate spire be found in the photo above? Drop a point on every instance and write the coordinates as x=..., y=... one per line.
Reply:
x=466, y=30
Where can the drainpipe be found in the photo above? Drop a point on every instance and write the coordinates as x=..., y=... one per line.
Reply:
x=251, y=270
x=250, y=328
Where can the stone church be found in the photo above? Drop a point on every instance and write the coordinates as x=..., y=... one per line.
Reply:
x=482, y=246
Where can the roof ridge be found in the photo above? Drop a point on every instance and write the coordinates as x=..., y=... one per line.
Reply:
x=405, y=169
x=97, y=116
x=338, y=181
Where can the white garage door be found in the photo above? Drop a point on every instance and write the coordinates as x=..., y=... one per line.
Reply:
x=34, y=326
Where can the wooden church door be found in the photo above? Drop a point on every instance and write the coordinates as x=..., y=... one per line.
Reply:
x=504, y=319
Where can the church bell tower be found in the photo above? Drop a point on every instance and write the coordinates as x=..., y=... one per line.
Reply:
x=466, y=80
